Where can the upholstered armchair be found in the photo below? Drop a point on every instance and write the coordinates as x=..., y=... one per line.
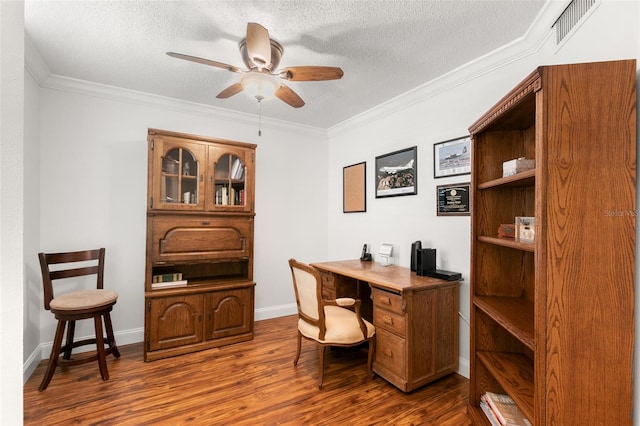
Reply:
x=327, y=322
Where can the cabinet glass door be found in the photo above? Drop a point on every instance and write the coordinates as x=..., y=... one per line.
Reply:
x=230, y=190
x=180, y=176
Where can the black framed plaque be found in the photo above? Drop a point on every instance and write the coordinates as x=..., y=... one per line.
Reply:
x=453, y=200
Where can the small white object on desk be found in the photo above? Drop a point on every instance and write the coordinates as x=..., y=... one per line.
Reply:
x=385, y=254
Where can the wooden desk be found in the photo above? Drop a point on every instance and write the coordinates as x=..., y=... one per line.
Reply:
x=416, y=318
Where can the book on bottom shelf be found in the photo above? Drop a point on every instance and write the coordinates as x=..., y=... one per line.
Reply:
x=161, y=278
x=505, y=410
x=168, y=284
x=487, y=412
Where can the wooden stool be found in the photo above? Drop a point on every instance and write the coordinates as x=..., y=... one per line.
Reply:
x=78, y=305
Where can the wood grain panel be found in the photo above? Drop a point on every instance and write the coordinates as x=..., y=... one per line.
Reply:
x=590, y=234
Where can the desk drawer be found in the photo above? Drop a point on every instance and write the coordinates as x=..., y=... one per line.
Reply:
x=389, y=321
x=391, y=354
x=387, y=300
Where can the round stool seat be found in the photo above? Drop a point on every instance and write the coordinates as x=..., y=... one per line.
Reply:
x=83, y=299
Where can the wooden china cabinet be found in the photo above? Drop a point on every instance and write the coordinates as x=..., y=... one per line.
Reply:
x=199, y=289
x=552, y=321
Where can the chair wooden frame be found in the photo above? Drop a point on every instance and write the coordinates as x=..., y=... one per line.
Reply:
x=69, y=315
x=321, y=323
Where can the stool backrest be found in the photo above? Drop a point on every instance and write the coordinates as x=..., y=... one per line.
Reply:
x=71, y=269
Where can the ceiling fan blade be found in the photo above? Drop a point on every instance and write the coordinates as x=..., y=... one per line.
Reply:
x=311, y=73
x=205, y=61
x=258, y=45
x=234, y=89
x=285, y=94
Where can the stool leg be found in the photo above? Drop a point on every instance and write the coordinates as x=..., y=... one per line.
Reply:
x=55, y=353
x=102, y=358
x=70, y=335
x=111, y=339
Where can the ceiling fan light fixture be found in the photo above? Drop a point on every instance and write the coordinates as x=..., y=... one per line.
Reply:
x=258, y=85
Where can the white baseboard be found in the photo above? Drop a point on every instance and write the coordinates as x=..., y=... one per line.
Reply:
x=276, y=312
x=464, y=367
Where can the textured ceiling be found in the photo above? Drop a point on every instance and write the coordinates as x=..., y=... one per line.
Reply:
x=385, y=47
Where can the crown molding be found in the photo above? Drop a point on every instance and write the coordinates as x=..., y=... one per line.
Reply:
x=529, y=44
x=38, y=68
x=34, y=63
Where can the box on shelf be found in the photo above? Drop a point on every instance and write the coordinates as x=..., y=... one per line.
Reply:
x=525, y=229
x=507, y=230
x=512, y=167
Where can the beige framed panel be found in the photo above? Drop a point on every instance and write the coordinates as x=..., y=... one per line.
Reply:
x=354, y=188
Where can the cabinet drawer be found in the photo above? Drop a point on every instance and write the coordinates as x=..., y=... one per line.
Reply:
x=389, y=301
x=176, y=238
x=389, y=321
x=391, y=353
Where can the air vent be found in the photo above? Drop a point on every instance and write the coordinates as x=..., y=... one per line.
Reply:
x=570, y=17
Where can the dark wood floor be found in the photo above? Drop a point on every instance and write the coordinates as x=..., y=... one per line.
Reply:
x=251, y=383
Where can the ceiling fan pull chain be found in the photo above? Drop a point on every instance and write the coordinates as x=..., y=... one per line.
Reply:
x=259, y=98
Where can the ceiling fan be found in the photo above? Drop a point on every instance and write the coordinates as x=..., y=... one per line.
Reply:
x=261, y=55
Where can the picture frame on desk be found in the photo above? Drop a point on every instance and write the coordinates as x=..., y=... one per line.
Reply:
x=354, y=188
x=452, y=157
x=397, y=173
x=453, y=199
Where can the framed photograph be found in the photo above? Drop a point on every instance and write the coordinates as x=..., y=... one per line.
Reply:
x=396, y=173
x=453, y=200
x=452, y=157
x=354, y=194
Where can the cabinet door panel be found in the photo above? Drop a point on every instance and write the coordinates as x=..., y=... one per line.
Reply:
x=174, y=321
x=229, y=313
x=179, y=238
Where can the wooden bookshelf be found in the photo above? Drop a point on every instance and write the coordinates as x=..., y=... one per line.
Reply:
x=552, y=321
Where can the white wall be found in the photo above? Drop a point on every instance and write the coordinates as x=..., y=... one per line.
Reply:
x=33, y=283
x=443, y=110
x=12, y=224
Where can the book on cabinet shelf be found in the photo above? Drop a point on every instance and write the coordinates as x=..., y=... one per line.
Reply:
x=237, y=170
x=169, y=284
x=230, y=196
x=222, y=195
x=162, y=278
x=505, y=410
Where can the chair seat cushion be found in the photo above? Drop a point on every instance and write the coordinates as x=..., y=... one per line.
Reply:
x=342, y=327
x=84, y=299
